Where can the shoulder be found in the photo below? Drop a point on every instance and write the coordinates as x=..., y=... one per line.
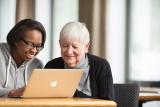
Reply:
x=56, y=60
x=55, y=63
x=99, y=65
x=35, y=62
x=97, y=60
x=4, y=51
x=4, y=47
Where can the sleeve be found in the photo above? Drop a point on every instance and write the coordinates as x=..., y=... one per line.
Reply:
x=35, y=63
x=105, y=82
x=4, y=91
x=48, y=65
x=56, y=63
x=39, y=63
x=81, y=94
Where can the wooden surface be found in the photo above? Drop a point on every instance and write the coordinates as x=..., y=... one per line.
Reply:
x=149, y=94
x=56, y=102
x=149, y=97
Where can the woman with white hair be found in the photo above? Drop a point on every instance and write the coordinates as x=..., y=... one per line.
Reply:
x=96, y=81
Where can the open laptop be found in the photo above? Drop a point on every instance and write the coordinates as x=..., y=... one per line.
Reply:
x=45, y=83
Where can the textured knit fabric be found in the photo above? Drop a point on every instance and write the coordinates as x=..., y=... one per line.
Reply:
x=101, y=81
x=127, y=95
x=11, y=76
x=84, y=84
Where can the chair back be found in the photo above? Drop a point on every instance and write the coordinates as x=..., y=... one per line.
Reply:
x=126, y=95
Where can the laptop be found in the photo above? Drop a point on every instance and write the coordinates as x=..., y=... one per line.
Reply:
x=48, y=83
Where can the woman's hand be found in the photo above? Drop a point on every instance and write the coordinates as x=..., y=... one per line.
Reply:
x=16, y=92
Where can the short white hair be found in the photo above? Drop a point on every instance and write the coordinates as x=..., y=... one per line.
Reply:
x=75, y=31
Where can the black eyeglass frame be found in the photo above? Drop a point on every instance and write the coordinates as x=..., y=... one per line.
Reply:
x=31, y=45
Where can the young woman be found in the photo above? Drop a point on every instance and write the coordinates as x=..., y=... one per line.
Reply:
x=17, y=57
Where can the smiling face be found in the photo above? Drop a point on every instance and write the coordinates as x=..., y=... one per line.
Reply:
x=27, y=48
x=72, y=51
x=74, y=42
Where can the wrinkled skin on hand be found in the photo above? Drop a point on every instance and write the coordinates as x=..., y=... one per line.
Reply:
x=16, y=92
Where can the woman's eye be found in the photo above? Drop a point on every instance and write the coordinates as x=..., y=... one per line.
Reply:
x=30, y=44
x=65, y=45
x=75, y=47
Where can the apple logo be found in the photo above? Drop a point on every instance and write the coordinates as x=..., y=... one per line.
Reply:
x=53, y=84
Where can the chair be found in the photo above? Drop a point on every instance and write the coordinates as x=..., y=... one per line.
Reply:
x=126, y=95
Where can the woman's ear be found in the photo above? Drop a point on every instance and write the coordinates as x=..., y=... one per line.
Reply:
x=87, y=47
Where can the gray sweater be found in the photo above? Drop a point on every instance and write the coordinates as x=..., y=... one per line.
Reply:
x=11, y=76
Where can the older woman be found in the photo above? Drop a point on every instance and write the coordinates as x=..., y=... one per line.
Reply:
x=25, y=40
x=96, y=81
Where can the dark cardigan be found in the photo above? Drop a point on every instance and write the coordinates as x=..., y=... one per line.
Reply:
x=101, y=81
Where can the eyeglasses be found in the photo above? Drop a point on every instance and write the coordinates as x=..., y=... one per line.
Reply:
x=31, y=45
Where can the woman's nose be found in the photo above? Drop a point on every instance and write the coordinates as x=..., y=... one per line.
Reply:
x=70, y=50
x=34, y=49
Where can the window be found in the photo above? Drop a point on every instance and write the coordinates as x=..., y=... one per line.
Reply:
x=7, y=17
x=64, y=11
x=144, y=45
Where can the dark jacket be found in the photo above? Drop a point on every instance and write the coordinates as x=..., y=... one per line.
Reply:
x=101, y=81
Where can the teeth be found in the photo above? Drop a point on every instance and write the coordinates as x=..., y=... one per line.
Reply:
x=31, y=55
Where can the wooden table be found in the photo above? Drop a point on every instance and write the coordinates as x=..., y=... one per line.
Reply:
x=145, y=97
x=56, y=102
x=149, y=96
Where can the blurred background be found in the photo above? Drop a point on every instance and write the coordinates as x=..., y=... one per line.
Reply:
x=125, y=32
